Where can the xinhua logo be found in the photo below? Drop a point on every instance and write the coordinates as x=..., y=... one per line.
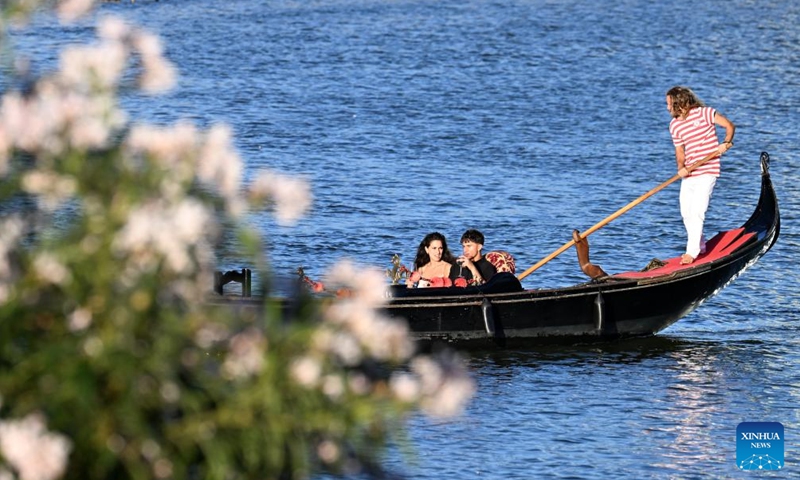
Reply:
x=759, y=446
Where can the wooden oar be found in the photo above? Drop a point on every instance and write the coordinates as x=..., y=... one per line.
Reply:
x=613, y=216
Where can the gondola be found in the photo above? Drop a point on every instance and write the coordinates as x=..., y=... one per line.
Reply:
x=501, y=313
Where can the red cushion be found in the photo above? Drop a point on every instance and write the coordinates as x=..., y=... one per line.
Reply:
x=723, y=239
x=724, y=243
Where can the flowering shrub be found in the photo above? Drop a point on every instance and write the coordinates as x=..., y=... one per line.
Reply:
x=113, y=361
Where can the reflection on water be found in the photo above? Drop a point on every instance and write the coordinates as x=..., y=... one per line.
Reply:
x=662, y=404
x=691, y=402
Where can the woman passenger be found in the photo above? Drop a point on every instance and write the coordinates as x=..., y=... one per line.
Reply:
x=432, y=264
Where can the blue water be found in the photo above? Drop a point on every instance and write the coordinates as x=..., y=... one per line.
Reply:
x=524, y=119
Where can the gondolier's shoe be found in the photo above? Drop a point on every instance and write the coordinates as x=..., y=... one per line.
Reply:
x=686, y=259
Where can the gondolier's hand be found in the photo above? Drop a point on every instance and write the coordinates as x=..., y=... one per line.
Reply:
x=724, y=147
x=683, y=173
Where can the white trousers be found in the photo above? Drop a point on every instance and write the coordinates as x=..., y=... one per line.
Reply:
x=695, y=195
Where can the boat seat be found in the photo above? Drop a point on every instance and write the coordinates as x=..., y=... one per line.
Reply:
x=722, y=244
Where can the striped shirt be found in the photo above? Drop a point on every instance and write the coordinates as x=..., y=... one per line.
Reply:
x=698, y=136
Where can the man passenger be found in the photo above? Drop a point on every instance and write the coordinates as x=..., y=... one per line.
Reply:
x=472, y=265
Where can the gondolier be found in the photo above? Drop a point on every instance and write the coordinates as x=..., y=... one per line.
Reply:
x=694, y=135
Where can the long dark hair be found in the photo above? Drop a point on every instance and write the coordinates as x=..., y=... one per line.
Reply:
x=423, y=258
x=683, y=100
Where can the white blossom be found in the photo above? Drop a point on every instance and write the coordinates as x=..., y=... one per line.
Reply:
x=328, y=451
x=87, y=120
x=32, y=123
x=89, y=132
x=383, y=338
x=162, y=468
x=183, y=153
x=333, y=386
x=31, y=450
x=346, y=348
x=147, y=44
x=170, y=392
x=116, y=443
x=170, y=147
x=80, y=319
x=218, y=163
x=71, y=10
x=209, y=334
x=51, y=188
x=389, y=338
x=291, y=197
x=405, y=387
x=50, y=269
x=53, y=118
x=445, y=384
x=246, y=355
x=150, y=449
x=76, y=107
x=169, y=231
x=158, y=73
x=306, y=371
x=358, y=383
x=87, y=67
x=113, y=28
x=368, y=285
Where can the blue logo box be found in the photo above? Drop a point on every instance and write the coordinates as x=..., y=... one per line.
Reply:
x=759, y=446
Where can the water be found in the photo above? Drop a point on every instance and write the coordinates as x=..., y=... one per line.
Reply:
x=524, y=119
